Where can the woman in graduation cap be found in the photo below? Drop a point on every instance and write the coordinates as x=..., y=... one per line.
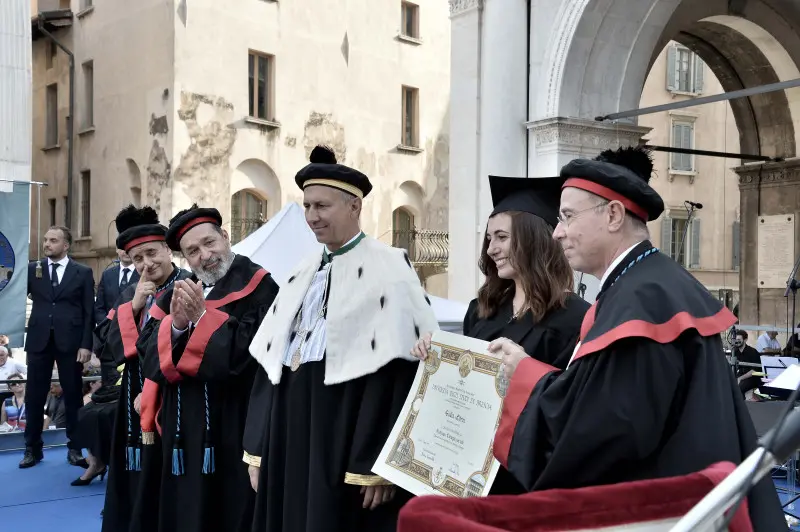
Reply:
x=526, y=296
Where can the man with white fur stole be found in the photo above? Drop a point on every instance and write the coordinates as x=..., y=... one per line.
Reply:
x=335, y=369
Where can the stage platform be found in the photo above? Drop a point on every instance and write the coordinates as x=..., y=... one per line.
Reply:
x=40, y=498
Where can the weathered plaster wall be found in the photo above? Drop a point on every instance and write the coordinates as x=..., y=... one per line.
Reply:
x=130, y=44
x=339, y=70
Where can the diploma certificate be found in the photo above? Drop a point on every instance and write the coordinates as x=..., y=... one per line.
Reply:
x=442, y=441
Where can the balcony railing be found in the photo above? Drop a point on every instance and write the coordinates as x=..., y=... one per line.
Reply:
x=241, y=228
x=425, y=247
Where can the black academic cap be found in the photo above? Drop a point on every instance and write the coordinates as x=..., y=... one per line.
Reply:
x=188, y=218
x=621, y=175
x=138, y=226
x=539, y=196
x=324, y=170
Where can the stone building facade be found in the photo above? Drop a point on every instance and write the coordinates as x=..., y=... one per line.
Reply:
x=530, y=80
x=220, y=103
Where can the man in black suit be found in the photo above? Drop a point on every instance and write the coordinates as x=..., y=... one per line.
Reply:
x=112, y=283
x=59, y=330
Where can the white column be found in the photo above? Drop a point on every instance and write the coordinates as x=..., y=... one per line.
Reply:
x=488, y=114
x=15, y=92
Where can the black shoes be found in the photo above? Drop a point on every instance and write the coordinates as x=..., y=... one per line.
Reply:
x=74, y=457
x=31, y=458
x=85, y=482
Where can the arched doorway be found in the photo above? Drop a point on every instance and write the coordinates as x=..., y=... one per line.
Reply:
x=248, y=213
x=403, y=230
x=565, y=62
x=255, y=197
x=134, y=182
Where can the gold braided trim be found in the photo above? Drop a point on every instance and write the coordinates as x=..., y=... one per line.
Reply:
x=365, y=480
x=249, y=459
x=347, y=187
x=148, y=438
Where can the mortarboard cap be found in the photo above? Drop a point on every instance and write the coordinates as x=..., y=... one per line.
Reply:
x=138, y=226
x=622, y=175
x=324, y=170
x=539, y=196
x=187, y=219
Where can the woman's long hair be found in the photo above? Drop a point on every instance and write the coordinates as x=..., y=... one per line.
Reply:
x=539, y=261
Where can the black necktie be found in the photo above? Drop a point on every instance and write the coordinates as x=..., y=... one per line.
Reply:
x=124, y=281
x=54, y=274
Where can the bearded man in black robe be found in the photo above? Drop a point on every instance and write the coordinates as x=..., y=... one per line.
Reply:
x=201, y=372
x=131, y=496
x=648, y=392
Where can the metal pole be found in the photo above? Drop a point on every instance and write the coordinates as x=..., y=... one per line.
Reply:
x=38, y=221
x=725, y=96
x=686, y=230
x=71, y=118
x=707, y=153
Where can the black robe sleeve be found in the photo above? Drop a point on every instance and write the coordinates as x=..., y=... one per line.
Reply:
x=385, y=392
x=256, y=429
x=581, y=427
x=216, y=348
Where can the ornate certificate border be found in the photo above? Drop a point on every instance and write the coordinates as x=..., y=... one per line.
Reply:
x=401, y=457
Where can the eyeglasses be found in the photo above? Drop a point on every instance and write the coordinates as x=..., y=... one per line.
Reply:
x=565, y=219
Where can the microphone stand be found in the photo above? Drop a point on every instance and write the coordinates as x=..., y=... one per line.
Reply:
x=689, y=210
x=791, y=287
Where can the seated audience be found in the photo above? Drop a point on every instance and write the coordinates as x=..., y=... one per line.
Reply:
x=8, y=367
x=96, y=426
x=13, y=410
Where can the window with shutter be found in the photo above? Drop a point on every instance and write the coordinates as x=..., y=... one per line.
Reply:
x=694, y=259
x=672, y=54
x=699, y=74
x=666, y=235
x=682, y=137
x=736, y=233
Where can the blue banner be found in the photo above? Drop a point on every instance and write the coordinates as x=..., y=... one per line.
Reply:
x=14, y=234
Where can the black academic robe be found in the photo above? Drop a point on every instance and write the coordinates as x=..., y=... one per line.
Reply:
x=551, y=340
x=649, y=393
x=202, y=388
x=132, y=492
x=316, y=444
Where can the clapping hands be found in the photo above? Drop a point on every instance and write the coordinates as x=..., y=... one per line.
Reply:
x=187, y=305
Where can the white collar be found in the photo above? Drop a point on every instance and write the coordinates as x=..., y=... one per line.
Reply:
x=63, y=262
x=328, y=251
x=128, y=267
x=616, y=263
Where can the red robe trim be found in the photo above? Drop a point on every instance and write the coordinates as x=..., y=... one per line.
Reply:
x=193, y=353
x=150, y=405
x=165, y=351
x=156, y=313
x=529, y=372
x=662, y=333
x=128, y=330
x=235, y=296
x=596, y=507
x=111, y=314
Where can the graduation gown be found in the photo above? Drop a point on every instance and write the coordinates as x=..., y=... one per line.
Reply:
x=551, y=341
x=316, y=441
x=648, y=394
x=201, y=387
x=132, y=492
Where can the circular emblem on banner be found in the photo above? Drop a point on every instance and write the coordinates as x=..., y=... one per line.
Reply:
x=7, y=261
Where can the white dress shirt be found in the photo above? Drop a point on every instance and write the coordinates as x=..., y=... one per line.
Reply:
x=122, y=273
x=62, y=266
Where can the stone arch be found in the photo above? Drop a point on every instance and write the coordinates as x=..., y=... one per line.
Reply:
x=599, y=56
x=134, y=182
x=256, y=175
x=409, y=195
